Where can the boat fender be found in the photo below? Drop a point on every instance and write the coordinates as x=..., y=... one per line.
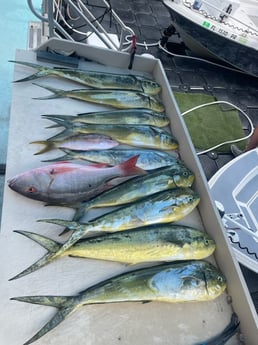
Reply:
x=197, y=5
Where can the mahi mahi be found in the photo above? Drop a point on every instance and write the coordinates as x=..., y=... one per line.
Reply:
x=139, y=135
x=171, y=282
x=176, y=175
x=161, y=242
x=95, y=79
x=163, y=207
x=121, y=99
x=149, y=159
x=122, y=116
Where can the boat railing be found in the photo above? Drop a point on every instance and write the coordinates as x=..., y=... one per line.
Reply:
x=223, y=15
x=55, y=14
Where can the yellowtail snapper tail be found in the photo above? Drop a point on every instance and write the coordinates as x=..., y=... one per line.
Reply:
x=49, y=145
x=65, y=307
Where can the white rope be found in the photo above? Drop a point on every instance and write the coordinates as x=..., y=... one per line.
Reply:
x=226, y=142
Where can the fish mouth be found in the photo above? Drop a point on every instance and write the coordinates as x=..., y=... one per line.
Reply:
x=12, y=183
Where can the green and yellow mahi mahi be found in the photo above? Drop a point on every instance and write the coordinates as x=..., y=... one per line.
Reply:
x=95, y=79
x=174, y=176
x=113, y=117
x=143, y=136
x=117, y=98
x=149, y=159
x=163, y=207
x=161, y=242
x=174, y=282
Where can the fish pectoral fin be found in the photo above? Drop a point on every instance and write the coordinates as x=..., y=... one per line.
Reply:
x=147, y=301
x=54, y=301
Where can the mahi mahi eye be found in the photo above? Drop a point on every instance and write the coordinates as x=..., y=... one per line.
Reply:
x=31, y=189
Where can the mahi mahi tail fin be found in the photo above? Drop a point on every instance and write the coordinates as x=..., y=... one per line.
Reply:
x=66, y=157
x=59, y=120
x=51, y=246
x=42, y=71
x=62, y=135
x=78, y=215
x=65, y=304
x=71, y=225
x=57, y=93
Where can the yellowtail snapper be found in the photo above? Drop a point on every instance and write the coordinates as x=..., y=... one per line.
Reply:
x=78, y=142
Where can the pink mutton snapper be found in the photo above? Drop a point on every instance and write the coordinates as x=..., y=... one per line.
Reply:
x=66, y=183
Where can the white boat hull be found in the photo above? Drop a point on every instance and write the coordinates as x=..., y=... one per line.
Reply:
x=213, y=39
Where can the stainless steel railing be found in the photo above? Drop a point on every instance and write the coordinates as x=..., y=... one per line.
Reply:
x=53, y=14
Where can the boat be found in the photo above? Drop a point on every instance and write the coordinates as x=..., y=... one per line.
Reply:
x=233, y=189
x=219, y=30
x=59, y=49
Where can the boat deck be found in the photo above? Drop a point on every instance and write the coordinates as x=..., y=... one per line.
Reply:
x=149, y=19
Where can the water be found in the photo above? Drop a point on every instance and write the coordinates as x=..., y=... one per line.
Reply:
x=15, y=16
x=14, y=23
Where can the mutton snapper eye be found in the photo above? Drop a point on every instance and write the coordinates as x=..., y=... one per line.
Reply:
x=190, y=281
x=66, y=182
